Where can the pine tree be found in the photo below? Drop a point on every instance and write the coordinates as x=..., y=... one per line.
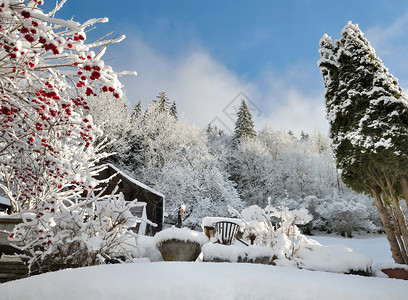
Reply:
x=137, y=111
x=368, y=118
x=164, y=101
x=244, y=126
x=304, y=136
x=173, y=110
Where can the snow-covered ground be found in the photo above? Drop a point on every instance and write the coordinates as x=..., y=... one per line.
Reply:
x=164, y=280
x=177, y=280
x=374, y=246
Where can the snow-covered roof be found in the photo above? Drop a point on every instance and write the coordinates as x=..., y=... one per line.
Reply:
x=4, y=200
x=142, y=185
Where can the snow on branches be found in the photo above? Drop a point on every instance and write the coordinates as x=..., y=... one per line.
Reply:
x=66, y=235
x=47, y=71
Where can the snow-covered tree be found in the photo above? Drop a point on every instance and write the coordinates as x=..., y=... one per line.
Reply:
x=173, y=110
x=175, y=159
x=244, y=125
x=47, y=70
x=254, y=172
x=136, y=111
x=112, y=116
x=368, y=117
x=48, y=148
x=164, y=101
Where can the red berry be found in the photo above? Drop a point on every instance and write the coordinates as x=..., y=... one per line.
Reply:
x=25, y=14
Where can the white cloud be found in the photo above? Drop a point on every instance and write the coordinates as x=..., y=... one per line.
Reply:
x=204, y=88
x=391, y=43
x=381, y=37
x=292, y=105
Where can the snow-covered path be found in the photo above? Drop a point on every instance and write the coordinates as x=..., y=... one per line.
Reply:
x=200, y=281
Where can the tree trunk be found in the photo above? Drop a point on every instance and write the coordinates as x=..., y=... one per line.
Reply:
x=398, y=235
x=402, y=222
x=404, y=185
x=389, y=231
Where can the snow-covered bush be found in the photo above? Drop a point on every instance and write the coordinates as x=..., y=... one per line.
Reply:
x=47, y=71
x=284, y=238
x=258, y=228
x=288, y=235
x=48, y=154
x=332, y=258
x=64, y=234
x=346, y=213
x=287, y=245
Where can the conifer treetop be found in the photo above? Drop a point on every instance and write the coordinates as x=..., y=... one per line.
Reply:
x=244, y=125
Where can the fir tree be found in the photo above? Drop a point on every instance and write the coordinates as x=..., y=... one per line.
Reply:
x=244, y=126
x=164, y=101
x=173, y=110
x=368, y=118
x=137, y=111
x=304, y=136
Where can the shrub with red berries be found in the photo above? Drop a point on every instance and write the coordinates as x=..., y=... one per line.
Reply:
x=47, y=72
x=48, y=153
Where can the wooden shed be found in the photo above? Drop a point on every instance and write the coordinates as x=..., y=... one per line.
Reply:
x=133, y=189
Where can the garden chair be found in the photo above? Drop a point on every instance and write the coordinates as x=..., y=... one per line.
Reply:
x=226, y=232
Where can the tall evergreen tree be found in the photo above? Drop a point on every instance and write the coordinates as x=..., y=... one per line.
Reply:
x=244, y=126
x=368, y=116
x=137, y=111
x=164, y=101
x=173, y=110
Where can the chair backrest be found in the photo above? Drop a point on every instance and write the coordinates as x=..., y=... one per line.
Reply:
x=226, y=232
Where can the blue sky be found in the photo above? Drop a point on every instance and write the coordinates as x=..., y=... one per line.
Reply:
x=205, y=53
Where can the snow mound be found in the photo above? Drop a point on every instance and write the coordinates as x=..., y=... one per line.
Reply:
x=331, y=258
x=255, y=251
x=182, y=234
x=232, y=253
x=221, y=252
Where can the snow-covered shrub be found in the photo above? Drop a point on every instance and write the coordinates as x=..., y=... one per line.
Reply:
x=332, y=258
x=346, y=213
x=288, y=235
x=257, y=225
x=48, y=69
x=64, y=234
x=284, y=238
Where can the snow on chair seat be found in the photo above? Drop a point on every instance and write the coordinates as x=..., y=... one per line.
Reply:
x=226, y=232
